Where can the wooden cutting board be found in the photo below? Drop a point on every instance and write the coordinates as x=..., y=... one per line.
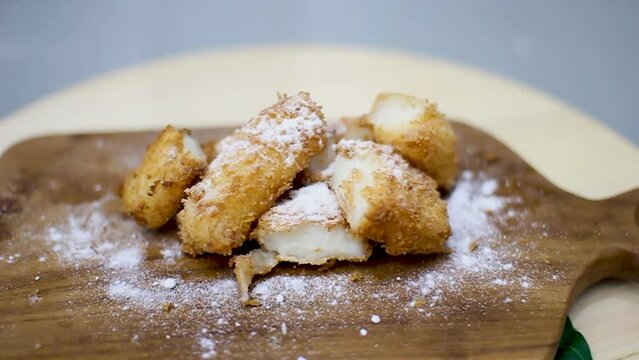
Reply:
x=66, y=295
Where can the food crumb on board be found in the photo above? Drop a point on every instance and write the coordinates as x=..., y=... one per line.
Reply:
x=356, y=276
x=363, y=332
x=375, y=319
x=473, y=245
x=283, y=328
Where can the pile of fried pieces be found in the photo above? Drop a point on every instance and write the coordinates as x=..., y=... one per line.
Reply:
x=308, y=192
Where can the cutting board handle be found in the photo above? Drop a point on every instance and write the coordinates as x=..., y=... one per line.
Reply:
x=617, y=227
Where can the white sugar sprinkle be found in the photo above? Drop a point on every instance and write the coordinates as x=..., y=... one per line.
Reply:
x=168, y=283
x=207, y=346
x=140, y=286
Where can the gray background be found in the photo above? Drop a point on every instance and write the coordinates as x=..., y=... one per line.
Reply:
x=583, y=52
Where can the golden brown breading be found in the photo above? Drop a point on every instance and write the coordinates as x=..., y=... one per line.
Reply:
x=153, y=192
x=256, y=262
x=386, y=200
x=419, y=132
x=356, y=127
x=310, y=228
x=251, y=172
x=210, y=150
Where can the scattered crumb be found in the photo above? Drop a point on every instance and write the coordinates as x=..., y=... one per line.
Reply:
x=363, y=332
x=356, y=276
x=419, y=303
x=328, y=265
x=472, y=246
x=375, y=319
x=37, y=278
x=490, y=156
x=283, y=328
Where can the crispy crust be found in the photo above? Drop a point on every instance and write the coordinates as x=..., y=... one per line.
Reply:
x=256, y=262
x=405, y=212
x=153, y=192
x=210, y=149
x=252, y=171
x=429, y=141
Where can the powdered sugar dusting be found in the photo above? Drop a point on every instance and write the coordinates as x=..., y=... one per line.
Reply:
x=315, y=203
x=468, y=208
x=288, y=124
x=148, y=284
x=87, y=236
x=289, y=127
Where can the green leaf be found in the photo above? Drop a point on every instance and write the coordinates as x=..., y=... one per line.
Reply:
x=573, y=345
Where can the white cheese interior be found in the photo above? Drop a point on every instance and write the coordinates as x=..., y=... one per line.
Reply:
x=343, y=170
x=395, y=112
x=193, y=147
x=315, y=244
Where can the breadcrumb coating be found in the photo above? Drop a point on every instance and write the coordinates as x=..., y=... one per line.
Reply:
x=352, y=127
x=418, y=131
x=254, y=167
x=153, y=192
x=310, y=228
x=256, y=262
x=386, y=200
x=210, y=150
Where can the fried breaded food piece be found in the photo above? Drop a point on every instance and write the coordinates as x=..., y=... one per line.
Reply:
x=386, y=200
x=153, y=192
x=419, y=132
x=254, y=168
x=309, y=228
x=356, y=127
x=256, y=262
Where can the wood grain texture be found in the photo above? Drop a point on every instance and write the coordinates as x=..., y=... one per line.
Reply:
x=585, y=241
